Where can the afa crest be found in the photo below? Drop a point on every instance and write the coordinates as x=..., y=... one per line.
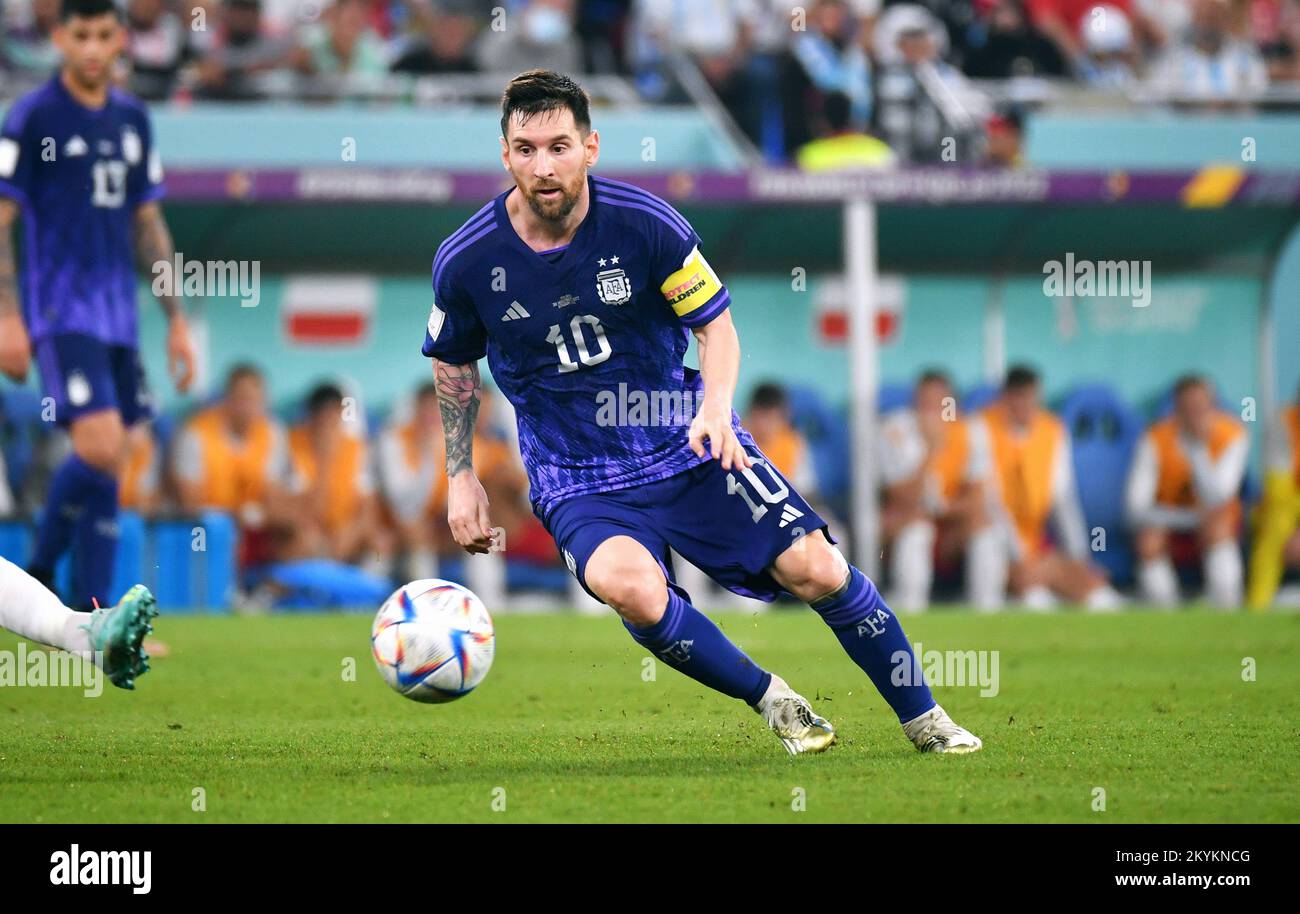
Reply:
x=613, y=287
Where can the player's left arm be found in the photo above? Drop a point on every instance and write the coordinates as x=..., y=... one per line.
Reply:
x=153, y=245
x=719, y=349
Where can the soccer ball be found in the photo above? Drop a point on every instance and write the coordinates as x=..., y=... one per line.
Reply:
x=433, y=641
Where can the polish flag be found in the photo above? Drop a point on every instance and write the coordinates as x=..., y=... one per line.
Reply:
x=328, y=310
x=832, y=314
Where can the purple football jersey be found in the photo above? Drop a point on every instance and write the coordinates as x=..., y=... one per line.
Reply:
x=79, y=174
x=588, y=343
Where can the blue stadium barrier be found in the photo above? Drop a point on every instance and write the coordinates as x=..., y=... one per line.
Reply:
x=1104, y=432
x=129, y=563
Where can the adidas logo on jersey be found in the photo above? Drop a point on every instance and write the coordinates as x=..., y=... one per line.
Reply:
x=789, y=513
x=515, y=312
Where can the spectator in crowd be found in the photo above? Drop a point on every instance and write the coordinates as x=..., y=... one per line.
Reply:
x=768, y=420
x=1282, y=49
x=1184, y=485
x=936, y=490
x=601, y=27
x=828, y=65
x=1003, y=44
x=1004, y=135
x=716, y=37
x=232, y=456
x=538, y=33
x=1277, y=523
x=330, y=477
x=157, y=48
x=342, y=47
x=1110, y=50
x=442, y=40
x=140, y=482
x=1210, y=66
x=242, y=55
x=838, y=145
x=928, y=112
x=1033, y=480
x=28, y=46
x=1062, y=23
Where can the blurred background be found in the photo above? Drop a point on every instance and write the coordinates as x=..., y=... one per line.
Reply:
x=881, y=185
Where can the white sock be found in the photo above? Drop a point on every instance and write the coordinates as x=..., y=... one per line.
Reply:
x=1158, y=582
x=424, y=564
x=986, y=569
x=1223, y=575
x=911, y=565
x=30, y=611
x=486, y=575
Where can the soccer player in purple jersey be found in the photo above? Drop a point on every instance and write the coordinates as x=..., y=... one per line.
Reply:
x=77, y=160
x=583, y=293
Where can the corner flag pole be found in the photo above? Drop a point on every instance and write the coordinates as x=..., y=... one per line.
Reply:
x=864, y=373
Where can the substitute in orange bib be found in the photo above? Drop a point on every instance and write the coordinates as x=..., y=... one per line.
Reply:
x=1033, y=478
x=936, y=489
x=232, y=456
x=1277, y=522
x=1184, y=482
x=333, y=485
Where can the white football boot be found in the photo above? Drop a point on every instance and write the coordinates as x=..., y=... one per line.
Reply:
x=793, y=720
x=935, y=731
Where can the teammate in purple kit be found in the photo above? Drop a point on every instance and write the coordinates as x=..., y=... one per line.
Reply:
x=77, y=161
x=583, y=294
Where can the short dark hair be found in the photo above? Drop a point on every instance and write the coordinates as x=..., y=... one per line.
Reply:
x=87, y=9
x=243, y=371
x=1020, y=377
x=769, y=395
x=323, y=395
x=536, y=92
x=1188, y=382
x=934, y=376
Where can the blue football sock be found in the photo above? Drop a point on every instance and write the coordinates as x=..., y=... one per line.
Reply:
x=688, y=642
x=871, y=634
x=64, y=506
x=96, y=542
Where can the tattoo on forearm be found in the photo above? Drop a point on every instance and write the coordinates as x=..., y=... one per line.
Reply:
x=8, y=274
x=153, y=244
x=459, y=389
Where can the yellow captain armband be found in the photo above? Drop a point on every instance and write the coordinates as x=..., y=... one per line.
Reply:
x=692, y=286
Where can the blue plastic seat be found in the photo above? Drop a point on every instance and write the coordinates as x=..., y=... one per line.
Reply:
x=1104, y=431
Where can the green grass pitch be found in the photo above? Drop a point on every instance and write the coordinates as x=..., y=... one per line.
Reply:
x=260, y=715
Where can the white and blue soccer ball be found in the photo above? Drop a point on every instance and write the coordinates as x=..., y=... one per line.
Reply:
x=433, y=641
